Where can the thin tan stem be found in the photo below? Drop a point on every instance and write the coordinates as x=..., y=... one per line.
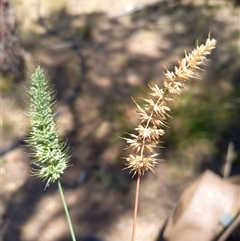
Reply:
x=136, y=208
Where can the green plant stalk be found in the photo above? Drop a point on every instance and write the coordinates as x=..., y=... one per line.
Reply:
x=66, y=211
x=50, y=154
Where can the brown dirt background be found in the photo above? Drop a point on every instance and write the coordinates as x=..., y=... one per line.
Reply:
x=123, y=52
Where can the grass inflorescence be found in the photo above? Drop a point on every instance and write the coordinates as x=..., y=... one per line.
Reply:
x=154, y=114
x=50, y=154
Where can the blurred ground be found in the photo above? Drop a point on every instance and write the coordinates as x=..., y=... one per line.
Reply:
x=105, y=52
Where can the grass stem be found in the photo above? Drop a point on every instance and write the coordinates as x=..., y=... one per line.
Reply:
x=66, y=211
x=136, y=208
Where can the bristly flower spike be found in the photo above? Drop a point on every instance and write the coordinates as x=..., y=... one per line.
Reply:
x=155, y=112
x=50, y=154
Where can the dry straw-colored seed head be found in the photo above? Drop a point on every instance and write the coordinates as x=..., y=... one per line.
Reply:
x=139, y=164
x=156, y=110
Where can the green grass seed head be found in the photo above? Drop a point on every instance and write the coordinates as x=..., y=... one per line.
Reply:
x=50, y=154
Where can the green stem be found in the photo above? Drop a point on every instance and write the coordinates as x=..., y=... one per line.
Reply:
x=66, y=211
